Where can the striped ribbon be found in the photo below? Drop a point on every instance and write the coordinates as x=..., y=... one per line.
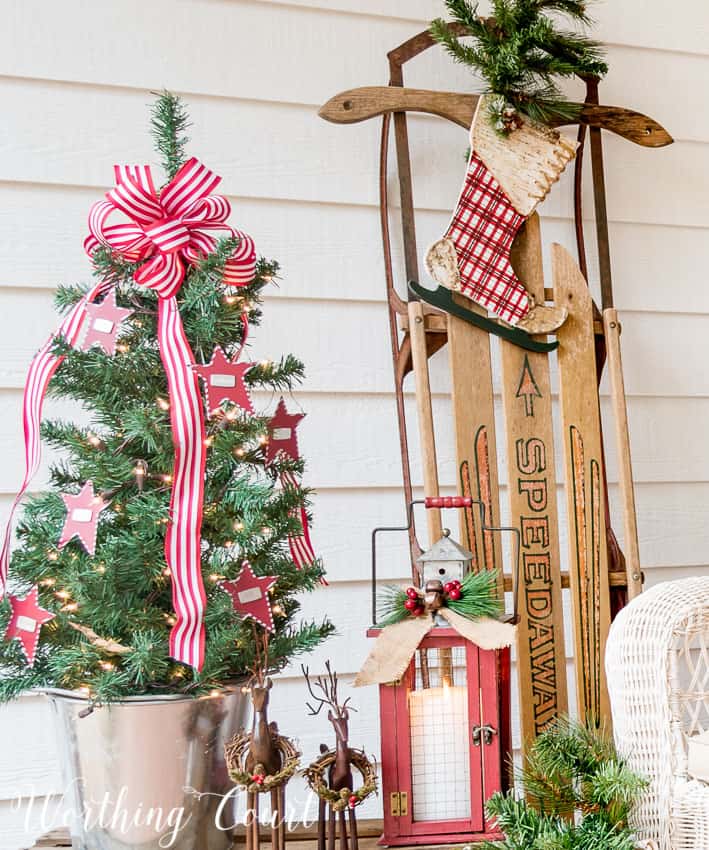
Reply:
x=42, y=368
x=165, y=233
x=301, y=549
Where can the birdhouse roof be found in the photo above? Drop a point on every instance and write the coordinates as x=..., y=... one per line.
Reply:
x=446, y=549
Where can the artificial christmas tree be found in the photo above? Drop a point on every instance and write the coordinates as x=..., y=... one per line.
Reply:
x=163, y=494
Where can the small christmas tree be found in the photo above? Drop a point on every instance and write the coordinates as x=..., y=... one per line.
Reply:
x=90, y=592
x=578, y=794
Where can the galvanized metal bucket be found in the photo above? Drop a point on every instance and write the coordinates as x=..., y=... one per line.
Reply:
x=148, y=773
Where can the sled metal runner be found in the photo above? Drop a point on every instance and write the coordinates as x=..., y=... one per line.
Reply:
x=430, y=320
x=442, y=298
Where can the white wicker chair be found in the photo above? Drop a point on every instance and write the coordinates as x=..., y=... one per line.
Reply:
x=657, y=665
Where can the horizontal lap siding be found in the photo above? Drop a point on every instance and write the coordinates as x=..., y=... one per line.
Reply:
x=74, y=101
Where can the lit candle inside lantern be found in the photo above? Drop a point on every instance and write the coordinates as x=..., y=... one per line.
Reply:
x=440, y=746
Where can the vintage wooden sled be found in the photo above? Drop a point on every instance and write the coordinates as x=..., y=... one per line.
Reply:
x=599, y=577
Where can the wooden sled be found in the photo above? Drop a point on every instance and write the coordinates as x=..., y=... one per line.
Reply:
x=599, y=576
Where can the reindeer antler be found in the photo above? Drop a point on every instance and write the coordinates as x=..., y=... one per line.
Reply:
x=328, y=687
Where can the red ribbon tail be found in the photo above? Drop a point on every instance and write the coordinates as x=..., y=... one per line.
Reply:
x=301, y=547
x=41, y=371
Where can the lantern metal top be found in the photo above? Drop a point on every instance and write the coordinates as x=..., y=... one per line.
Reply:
x=446, y=549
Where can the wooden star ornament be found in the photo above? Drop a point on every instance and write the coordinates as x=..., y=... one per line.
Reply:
x=249, y=595
x=26, y=620
x=82, y=513
x=224, y=381
x=104, y=323
x=282, y=437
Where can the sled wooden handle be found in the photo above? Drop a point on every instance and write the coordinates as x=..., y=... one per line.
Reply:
x=353, y=105
x=448, y=502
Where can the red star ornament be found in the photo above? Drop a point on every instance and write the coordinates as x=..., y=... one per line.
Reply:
x=82, y=512
x=249, y=595
x=224, y=381
x=282, y=437
x=104, y=322
x=26, y=621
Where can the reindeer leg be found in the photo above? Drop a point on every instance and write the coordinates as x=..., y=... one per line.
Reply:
x=255, y=828
x=343, y=831
x=282, y=816
x=248, y=818
x=331, y=829
x=321, y=823
x=353, y=830
x=275, y=816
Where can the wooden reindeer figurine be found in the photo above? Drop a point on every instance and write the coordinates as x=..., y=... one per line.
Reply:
x=262, y=761
x=264, y=758
x=339, y=771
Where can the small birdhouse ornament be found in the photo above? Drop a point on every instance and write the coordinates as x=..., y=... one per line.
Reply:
x=445, y=561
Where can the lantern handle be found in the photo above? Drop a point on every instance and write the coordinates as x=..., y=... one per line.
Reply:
x=443, y=502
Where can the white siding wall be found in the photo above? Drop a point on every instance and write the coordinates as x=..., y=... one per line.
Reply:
x=74, y=83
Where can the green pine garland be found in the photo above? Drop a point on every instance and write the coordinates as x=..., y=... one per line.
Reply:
x=122, y=593
x=578, y=795
x=521, y=52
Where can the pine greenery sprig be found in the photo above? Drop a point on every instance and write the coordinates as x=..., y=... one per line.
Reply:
x=169, y=121
x=578, y=794
x=390, y=606
x=478, y=598
x=521, y=52
x=123, y=593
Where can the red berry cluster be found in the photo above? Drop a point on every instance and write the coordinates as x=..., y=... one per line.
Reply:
x=258, y=778
x=413, y=602
x=354, y=799
x=453, y=589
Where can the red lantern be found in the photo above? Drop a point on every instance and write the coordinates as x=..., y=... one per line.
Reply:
x=445, y=736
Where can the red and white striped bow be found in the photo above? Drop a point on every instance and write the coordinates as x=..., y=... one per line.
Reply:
x=168, y=228
x=166, y=233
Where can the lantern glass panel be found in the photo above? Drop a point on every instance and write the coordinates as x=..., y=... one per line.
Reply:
x=440, y=749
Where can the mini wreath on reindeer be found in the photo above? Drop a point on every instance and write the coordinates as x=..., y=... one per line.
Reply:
x=345, y=798
x=258, y=781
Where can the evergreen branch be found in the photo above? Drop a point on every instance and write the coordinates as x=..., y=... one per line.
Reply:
x=66, y=296
x=390, y=606
x=111, y=266
x=478, y=596
x=569, y=770
x=520, y=52
x=168, y=123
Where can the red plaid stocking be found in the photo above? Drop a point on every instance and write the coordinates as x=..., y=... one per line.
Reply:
x=482, y=229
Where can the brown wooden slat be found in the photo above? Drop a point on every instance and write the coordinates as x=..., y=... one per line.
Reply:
x=527, y=405
x=583, y=464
